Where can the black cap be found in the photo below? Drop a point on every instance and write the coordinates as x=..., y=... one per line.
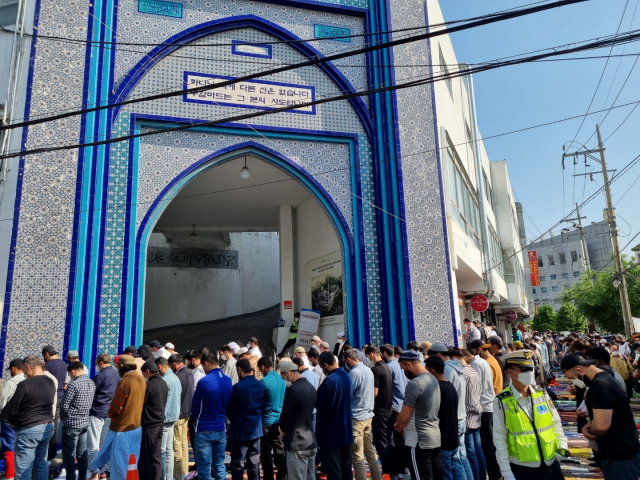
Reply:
x=16, y=362
x=476, y=344
x=151, y=366
x=495, y=340
x=635, y=345
x=575, y=360
x=155, y=344
x=244, y=365
x=50, y=349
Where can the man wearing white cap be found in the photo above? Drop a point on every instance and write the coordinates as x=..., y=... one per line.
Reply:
x=170, y=348
x=315, y=342
x=301, y=353
x=339, y=346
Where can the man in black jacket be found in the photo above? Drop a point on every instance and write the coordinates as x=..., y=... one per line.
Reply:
x=295, y=423
x=30, y=413
x=180, y=443
x=155, y=401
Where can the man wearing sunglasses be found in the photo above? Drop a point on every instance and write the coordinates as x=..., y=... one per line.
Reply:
x=527, y=430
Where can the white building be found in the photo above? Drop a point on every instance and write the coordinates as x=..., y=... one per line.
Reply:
x=479, y=200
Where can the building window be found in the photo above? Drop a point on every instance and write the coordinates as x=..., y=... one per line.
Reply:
x=576, y=274
x=563, y=258
x=543, y=279
x=464, y=204
x=553, y=277
x=543, y=290
x=445, y=72
x=497, y=257
x=551, y=260
x=574, y=256
x=555, y=289
x=565, y=276
x=557, y=300
x=540, y=262
x=534, y=291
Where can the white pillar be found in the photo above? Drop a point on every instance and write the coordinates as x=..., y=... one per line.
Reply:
x=286, y=263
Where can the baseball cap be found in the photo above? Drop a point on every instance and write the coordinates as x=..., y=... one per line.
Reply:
x=244, y=365
x=575, y=360
x=242, y=351
x=49, y=349
x=439, y=347
x=16, y=362
x=288, y=367
x=316, y=338
x=151, y=366
x=125, y=360
x=475, y=344
x=169, y=345
x=299, y=350
x=519, y=344
x=155, y=344
x=325, y=345
x=495, y=340
x=340, y=334
x=73, y=354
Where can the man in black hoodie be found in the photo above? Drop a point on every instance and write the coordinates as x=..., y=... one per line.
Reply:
x=155, y=401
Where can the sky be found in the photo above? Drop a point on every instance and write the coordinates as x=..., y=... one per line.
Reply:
x=521, y=96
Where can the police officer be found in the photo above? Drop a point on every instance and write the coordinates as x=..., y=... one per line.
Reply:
x=527, y=430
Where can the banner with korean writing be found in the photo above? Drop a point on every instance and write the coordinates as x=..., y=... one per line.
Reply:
x=533, y=268
x=257, y=94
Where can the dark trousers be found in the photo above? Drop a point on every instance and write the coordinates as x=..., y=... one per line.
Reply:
x=53, y=443
x=488, y=448
x=336, y=462
x=425, y=463
x=271, y=441
x=629, y=385
x=543, y=472
x=245, y=455
x=191, y=426
x=289, y=344
x=382, y=429
x=401, y=452
x=150, y=463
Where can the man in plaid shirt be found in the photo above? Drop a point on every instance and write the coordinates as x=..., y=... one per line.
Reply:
x=74, y=413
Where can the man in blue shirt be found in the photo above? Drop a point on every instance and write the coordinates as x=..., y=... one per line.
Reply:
x=362, y=401
x=245, y=417
x=274, y=388
x=171, y=415
x=333, y=429
x=106, y=382
x=208, y=408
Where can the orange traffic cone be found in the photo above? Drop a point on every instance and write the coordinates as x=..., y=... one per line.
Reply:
x=132, y=469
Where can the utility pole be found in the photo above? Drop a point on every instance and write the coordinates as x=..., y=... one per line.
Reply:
x=581, y=228
x=613, y=228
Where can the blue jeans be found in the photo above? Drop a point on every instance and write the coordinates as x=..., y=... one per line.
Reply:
x=74, y=445
x=30, y=452
x=620, y=470
x=167, y=450
x=210, y=449
x=475, y=454
x=461, y=456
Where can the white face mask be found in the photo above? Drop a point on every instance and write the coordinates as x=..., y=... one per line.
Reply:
x=578, y=383
x=526, y=378
x=223, y=356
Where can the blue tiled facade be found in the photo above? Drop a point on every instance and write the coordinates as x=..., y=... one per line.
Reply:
x=371, y=162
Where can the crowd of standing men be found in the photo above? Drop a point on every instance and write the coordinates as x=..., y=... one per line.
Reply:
x=427, y=410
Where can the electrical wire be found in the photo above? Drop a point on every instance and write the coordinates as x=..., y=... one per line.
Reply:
x=312, y=62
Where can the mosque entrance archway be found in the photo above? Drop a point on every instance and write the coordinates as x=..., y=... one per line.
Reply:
x=227, y=256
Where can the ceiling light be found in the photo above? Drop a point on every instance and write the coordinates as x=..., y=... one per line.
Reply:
x=245, y=173
x=194, y=236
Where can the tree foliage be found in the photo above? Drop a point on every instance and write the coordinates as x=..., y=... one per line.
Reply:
x=545, y=319
x=569, y=319
x=595, y=297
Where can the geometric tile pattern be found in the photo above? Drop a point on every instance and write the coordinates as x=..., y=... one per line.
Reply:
x=428, y=263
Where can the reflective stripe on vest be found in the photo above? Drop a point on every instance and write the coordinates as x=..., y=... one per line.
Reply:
x=522, y=438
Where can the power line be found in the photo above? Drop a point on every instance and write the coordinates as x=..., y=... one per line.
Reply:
x=427, y=80
x=312, y=62
x=286, y=42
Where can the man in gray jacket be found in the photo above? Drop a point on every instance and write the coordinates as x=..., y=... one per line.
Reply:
x=7, y=434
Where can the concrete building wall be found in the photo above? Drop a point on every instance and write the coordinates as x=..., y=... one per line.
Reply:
x=176, y=295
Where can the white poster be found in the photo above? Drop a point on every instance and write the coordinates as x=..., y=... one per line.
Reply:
x=307, y=328
x=323, y=283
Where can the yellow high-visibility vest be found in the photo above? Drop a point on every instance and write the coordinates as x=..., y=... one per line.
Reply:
x=526, y=440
